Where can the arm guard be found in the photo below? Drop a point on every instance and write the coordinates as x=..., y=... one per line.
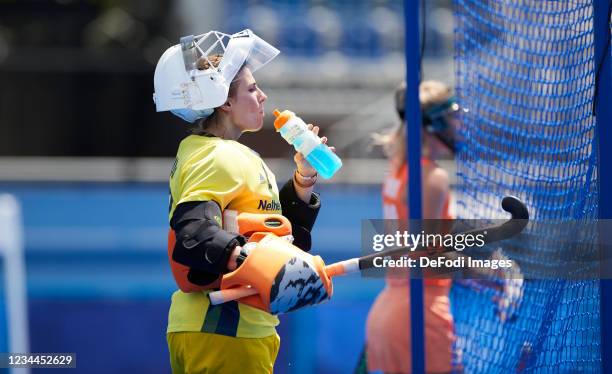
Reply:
x=301, y=215
x=201, y=244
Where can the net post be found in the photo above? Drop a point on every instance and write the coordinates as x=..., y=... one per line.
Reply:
x=11, y=250
x=603, y=112
x=413, y=157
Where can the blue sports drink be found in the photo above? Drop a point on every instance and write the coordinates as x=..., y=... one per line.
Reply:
x=295, y=132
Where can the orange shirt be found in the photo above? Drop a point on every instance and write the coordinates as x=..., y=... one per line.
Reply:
x=395, y=208
x=394, y=186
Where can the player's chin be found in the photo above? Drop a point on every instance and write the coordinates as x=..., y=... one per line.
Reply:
x=260, y=121
x=255, y=125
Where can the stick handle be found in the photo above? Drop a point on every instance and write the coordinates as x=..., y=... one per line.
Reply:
x=223, y=296
x=342, y=267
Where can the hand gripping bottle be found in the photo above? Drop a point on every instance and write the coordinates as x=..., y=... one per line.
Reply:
x=296, y=133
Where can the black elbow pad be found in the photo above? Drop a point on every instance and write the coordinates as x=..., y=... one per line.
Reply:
x=201, y=243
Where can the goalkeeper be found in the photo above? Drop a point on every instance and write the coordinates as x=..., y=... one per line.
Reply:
x=212, y=176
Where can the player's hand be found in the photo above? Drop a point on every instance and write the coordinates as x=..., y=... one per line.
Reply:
x=239, y=254
x=232, y=263
x=303, y=166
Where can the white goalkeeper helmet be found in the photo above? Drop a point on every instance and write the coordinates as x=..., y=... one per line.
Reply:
x=190, y=93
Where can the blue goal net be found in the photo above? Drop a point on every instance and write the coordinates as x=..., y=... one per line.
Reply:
x=526, y=77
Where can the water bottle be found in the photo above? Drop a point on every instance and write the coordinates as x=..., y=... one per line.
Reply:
x=295, y=132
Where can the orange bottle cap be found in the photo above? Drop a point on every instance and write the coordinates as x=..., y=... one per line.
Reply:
x=281, y=118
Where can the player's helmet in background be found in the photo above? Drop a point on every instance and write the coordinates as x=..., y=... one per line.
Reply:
x=438, y=118
x=190, y=93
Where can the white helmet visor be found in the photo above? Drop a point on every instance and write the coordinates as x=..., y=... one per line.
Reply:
x=245, y=49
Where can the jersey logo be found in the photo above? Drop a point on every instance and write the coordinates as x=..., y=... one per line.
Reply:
x=269, y=205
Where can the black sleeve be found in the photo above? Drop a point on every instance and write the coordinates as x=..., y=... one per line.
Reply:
x=301, y=215
x=201, y=243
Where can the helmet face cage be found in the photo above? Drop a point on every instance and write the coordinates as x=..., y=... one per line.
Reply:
x=241, y=49
x=203, y=46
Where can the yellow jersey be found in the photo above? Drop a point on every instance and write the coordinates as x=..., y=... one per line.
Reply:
x=235, y=177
